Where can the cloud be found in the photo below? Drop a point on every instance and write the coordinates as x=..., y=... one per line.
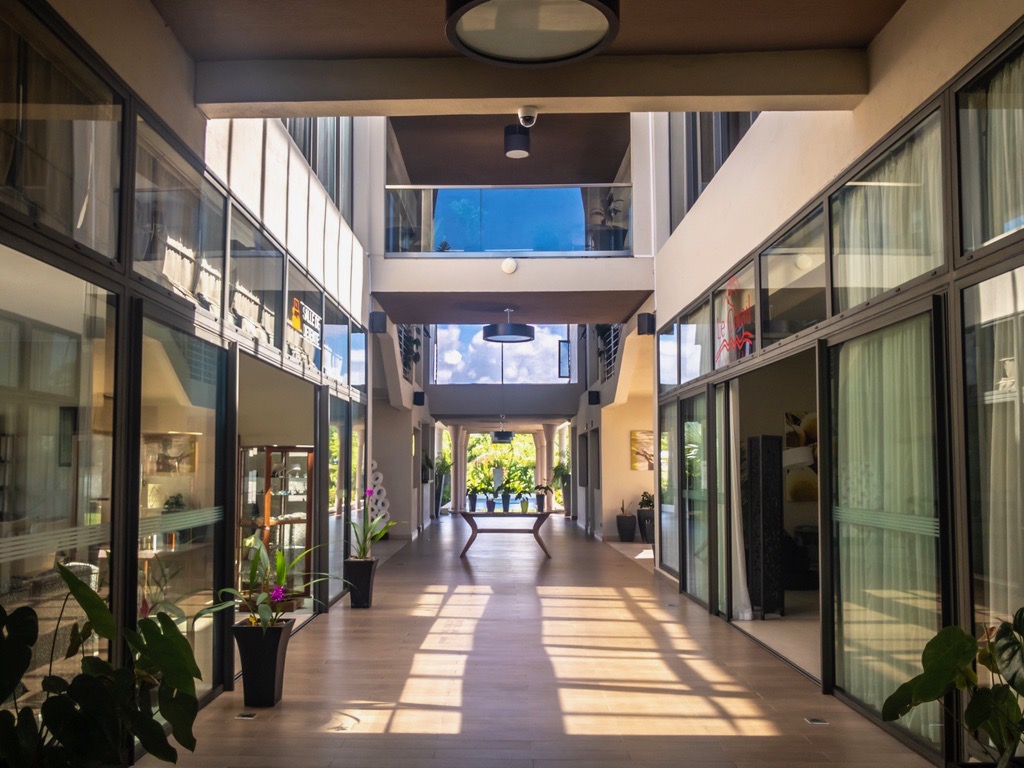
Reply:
x=465, y=358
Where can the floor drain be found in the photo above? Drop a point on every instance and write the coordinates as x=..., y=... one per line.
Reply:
x=245, y=716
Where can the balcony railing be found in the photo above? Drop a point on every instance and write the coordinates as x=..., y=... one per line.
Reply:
x=493, y=221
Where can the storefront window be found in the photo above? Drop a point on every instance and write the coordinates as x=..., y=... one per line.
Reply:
x=336, y=343
x=257, y=274
x=57, y=341
x=991, y=114
x=357, y=358
x=180, y=517
x=735, y=318
x=884, y=511
x=357, y=461
x=303, y=333
x=60, y=128
x=337, y=494
x=668, y=486
x=668, y=358
x=887, y=221
x=793, y=280
x=178, y=238
x=695, y=343
x=693, y=497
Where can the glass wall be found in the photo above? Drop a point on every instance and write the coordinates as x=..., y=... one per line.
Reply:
x=335, y=343
x=257, y=281
x=337, y=494
x=735, y=318
x=357, y=461
x=991, y=116
x=721, y=506
x=57, y=342
x=695, y=343
x=793, y=275
x=178, y=237
x=60, y=148
x=668, y=487
x=181, y=518
x=303, y=333
x=668, y=357
x=884, y=510
x=462, y=356
x=887, y=221
x=693, y=495
x=357, y=359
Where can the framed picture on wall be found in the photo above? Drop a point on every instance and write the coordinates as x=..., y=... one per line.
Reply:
x=641, y=449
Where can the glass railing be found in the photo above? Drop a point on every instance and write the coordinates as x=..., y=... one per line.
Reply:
x=550, y=221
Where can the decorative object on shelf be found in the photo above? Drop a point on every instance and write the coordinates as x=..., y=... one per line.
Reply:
x=645, y=517
x=954, y=660
x=374, y=523
x=114, y=702
x=625, y=521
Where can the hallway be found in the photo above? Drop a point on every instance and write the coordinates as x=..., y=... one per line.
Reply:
x=509, y=659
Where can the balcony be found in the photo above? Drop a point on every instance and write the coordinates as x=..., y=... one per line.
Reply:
x=449, y=222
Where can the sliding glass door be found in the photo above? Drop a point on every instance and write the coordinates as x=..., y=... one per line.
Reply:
x=693, y=496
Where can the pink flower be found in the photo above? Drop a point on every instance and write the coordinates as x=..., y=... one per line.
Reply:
x=369, y=491
x=277, y=594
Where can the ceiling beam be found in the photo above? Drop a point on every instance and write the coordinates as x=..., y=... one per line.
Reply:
x=786, y=80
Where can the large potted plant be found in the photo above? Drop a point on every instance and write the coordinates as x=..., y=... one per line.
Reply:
x=645, y=517
x=989, y=673
x=625, y=521
x=262, y=636
x=361, y=565
x=563, y=479
x=442, y=468
x=90, y=720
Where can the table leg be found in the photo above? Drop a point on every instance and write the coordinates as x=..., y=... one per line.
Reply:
x=472, y=537
x=536, y=533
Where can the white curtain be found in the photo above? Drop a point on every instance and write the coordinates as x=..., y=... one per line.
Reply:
x=885, y=513
x=741, y=609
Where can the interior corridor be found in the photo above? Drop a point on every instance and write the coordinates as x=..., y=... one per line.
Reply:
x=507, y=658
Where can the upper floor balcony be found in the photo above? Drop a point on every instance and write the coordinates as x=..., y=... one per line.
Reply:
x=547, y=221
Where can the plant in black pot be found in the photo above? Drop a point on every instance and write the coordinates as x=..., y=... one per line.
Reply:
x=361, y=565
x=989, y=673
x=542, y=492
x=90, y=719
x=563, y=479
x=626, y=523
x=645, y=517
x=442, y=469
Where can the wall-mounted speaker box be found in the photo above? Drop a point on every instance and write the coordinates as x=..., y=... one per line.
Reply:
x=593, y=397
x=378, y=322
x=645, y=324
x=419, y=398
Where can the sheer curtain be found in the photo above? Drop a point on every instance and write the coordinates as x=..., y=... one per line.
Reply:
x=741, y=610
x=885, y=517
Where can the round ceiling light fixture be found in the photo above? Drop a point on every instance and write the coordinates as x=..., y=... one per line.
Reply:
x=530, y=33
x=508, y=332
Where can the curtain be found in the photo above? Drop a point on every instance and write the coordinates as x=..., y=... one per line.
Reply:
x=741, y=609
x=884, y=511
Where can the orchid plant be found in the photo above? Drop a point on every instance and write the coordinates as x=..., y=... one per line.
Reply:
x=368, y=529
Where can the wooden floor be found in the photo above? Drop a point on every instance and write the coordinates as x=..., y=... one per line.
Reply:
x=506, y=658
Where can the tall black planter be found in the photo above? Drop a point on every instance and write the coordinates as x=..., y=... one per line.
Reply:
x=627, y=527
x=359, y=574
x=506, y=502
x=262, y=656
x=645, y=520
x=541, y=501
x=472, y=502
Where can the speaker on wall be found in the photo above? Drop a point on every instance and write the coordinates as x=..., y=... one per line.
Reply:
x=419, y=398
x=378, y=322
x=645, y=324
x=593, y=397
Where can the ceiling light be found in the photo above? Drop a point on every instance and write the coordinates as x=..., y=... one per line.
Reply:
x=502, y=436
x=508, y=332
x=531, y=32
x=517, y=141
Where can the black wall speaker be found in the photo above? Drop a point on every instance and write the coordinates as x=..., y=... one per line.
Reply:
x=645, y=324
x=593, y=397
x=419, y=398
x=378, y=322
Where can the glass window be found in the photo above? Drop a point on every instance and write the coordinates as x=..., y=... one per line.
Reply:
x=357, y=461
x=178, y=237
x=183, y=407
x=695, y=343
x=668, y=357
x=57, y=342
x=256, y=281
x=326, y=165
x=345, y=182
x=793, y=280
x=303, y=333
x=336, y=343
x=693, y=496
x=735, y=317
x=884, y=511
x=887, y=222
x=721, y=508
x=991, y=114
x=668, y=486
x=357, y=359
x=337, y=494
x=461, y=356
x=60, y=154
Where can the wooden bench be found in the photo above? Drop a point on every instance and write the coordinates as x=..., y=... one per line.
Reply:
x=471, y=518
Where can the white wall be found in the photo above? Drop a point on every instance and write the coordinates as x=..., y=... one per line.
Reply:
x=392, y=450
x=619, y=481
x=274, y=408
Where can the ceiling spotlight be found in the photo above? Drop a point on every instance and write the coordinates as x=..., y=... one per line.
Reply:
x=508, y=332
x=517, y=141
x=525, y=33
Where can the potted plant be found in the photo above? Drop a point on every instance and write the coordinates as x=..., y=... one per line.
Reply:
x=523, y=496
x=442, y=468
x=489, y=501
x=91, y=719
x=471, y=495
x=626, y=523
x=563, y=479
x=645, y=517
x=952, y=660
x=542, y=492
x=361, y=565
x=505, y=491
x=262, y=636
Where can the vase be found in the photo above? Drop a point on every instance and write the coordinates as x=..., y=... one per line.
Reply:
x=359, y=574
x=472, y=502
x=490, y=505
x=506, y=501
x=645, y=522
x=262, y=655
x=524, y=506
x=541, y=502
x=627, y=527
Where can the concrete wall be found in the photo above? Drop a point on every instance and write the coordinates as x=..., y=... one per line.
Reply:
x=787, y=158
x=393, y=452
x=274, y=408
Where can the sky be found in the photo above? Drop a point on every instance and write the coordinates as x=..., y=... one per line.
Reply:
x=463, y=357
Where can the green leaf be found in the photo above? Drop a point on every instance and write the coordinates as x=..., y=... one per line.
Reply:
x=95, y=608
x=54, y=684
x=22, y=625
x=182, y=646
x=164, y=654
x=1008, y=649
x=900, y=701
x=74, y=642
x=996, y=712
x=265, y=614
x=97, y=667
x=180, y=710
x=19, y=738
x=15, y=659
x=282, y=567
x=944, y=658
x=151, y=735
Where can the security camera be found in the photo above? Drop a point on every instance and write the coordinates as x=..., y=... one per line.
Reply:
x=527, y=116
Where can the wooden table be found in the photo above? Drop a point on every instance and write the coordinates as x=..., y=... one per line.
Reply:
x=471, y=517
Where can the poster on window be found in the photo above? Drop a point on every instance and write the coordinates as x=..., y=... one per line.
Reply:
x=800, y=456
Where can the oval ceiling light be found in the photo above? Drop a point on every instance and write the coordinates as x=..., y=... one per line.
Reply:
x=508, y=332
x=529, y=33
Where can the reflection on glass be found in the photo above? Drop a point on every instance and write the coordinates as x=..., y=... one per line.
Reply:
x=887, y=222
x=56, y=448
x=337, y=494
x=668, y=486
x=303, y=332
x=695, y=343
x=693, y=496
x=463, y=357
x=178, y=237
x=668, y=358
x=884, y=509
x=60, y=155
x=992, y=153
x=735, y=317
x=183, y=406
x=357, y=462
x=793, y=280
x=336, y=343
x=357, y=368
x=721, y=509
x=257, y=279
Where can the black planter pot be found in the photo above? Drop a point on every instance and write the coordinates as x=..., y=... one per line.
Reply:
x=472, y=502
x=645, y=520
x=262, y=656
x=506, y=502
x=541, y=501
x=359, y=575
x=627, y=527
x=567, y=499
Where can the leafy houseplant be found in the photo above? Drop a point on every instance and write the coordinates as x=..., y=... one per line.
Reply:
x=563, y=479
x=361, y=566
x=948, y=663
x=645, y=517
x=90, y=719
